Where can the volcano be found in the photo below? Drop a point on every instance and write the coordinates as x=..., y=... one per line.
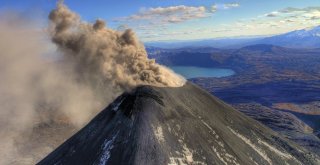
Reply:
x=184, y=125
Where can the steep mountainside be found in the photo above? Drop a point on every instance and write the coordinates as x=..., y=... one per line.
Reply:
x=184, y=125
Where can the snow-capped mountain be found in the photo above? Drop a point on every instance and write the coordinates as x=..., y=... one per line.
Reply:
x=305, y=38
x=308, y=32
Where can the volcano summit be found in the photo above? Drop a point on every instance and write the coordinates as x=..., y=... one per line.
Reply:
x=184, y=125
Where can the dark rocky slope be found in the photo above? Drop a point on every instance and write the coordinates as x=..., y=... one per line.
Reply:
x=183, y=125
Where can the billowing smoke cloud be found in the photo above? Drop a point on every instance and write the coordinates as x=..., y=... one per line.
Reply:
x=111, y=56
x=46, y=95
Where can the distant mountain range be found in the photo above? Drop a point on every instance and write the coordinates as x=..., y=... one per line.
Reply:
x=305, y=38
x=216, y=43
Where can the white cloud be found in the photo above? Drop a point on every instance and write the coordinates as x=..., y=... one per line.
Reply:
x=272, y=23
x=171, y=14
x=214, y=8
x=166, y=23
x=292, y=10
x=308, y=12
x=276, y=22
x=231, y=5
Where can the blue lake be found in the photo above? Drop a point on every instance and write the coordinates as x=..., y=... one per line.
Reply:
x=193, y=72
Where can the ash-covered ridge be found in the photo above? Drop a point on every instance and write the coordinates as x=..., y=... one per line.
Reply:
x=185, y=125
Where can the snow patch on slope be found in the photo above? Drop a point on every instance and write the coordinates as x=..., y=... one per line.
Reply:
x=223, y=155
x=158, y=132
x=106, y=150
x=278, y=152
x=184, y=157
x=258, y=150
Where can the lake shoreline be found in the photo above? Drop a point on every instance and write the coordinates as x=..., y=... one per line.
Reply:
x=196, y=72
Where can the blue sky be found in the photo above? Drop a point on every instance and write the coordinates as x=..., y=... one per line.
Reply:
x=188, y=19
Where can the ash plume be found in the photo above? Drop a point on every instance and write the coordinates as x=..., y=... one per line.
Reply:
x=111, y=56
x=37, y=90
x=59, y=78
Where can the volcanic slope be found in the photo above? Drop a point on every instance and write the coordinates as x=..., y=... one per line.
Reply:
x=184, y=125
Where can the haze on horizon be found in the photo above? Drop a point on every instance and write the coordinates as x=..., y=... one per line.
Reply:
x=155, y=20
